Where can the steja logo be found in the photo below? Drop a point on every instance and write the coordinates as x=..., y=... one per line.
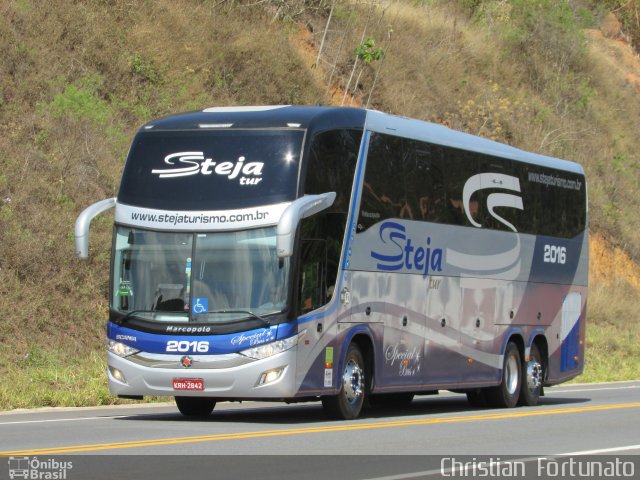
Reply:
x=195, y=163
x=400, y=252
x=493, y=181
x=505, y=264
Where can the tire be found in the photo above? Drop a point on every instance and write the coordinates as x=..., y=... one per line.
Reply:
x=347, y=404
x=507, y=393
x=533, y=373
x=200, y=407
x=477, y=398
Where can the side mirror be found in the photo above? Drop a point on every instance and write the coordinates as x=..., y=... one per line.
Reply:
x=83, y=221
x=301, y=208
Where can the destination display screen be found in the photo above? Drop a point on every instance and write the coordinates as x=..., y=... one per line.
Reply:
x=211, y=169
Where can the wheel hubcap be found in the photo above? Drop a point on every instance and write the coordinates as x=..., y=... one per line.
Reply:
x=511, y=378
x=353, y=381
x=534, y=375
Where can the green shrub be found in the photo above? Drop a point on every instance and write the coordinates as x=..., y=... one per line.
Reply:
x=145, y=69
x=81, y=102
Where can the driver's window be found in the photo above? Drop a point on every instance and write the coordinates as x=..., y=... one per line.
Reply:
x=333, y=156
x=313, y=275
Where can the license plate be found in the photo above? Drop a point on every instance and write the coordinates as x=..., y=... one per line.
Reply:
x=188, y=384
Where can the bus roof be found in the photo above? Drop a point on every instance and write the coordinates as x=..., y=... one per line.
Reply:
x=282, y=116
x=324, y=118
x=442, y=135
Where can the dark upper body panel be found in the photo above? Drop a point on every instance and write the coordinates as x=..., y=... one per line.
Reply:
x=226, y=159
x=315, y=118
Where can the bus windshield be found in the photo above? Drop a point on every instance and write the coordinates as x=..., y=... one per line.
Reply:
x=203, y=277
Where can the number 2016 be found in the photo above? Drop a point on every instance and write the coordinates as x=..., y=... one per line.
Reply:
x=555, y=254
x=185, y=346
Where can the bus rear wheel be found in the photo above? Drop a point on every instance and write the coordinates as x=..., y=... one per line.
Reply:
x=506, y=394
x=200, y=407
x=348, y=403
x=533, y=372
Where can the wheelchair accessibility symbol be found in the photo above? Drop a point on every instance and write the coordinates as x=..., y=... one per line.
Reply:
x=200, y=305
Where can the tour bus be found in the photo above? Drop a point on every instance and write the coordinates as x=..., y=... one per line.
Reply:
x=340, y=255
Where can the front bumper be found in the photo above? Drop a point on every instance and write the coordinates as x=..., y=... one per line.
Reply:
x=228, y=382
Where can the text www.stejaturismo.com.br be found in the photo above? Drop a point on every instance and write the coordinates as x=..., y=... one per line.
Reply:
x=200, y=218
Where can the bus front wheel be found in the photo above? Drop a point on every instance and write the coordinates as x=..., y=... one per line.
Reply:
x=348, y=403
x=195, y=406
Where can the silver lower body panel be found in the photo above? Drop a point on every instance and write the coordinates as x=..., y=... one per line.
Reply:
x=237, y=382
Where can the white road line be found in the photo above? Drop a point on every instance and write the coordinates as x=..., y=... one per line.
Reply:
x=602, y=450
x=630, y=387
x=63, y=420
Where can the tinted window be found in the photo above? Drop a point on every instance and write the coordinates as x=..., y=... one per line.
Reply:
x=422, y=181
x=425, y=182
x=383, y=192
x=556, y=201
x=211, y=170
x=331, y=166
x=332, y=162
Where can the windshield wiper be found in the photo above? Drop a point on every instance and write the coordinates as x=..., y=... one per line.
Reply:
x=265, y=322
x=129, y=315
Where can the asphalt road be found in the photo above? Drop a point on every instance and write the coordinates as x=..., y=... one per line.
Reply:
x=595, y=419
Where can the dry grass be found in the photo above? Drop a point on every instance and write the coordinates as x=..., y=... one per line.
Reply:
x=76, y=81
x=613, y=334
x=611, y=265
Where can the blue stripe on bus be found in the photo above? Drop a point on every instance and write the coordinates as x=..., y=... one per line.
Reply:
x=217, y=344
x=570, y=349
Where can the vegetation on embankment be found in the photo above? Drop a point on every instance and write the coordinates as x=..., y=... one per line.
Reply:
x=78, y=78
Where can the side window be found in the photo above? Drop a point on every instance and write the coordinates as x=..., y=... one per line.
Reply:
x=425, y=181
x=414, y=180
x=460, y=165
x=383, y=192
x=332, y=161
x=313, y=287
x=556, y=201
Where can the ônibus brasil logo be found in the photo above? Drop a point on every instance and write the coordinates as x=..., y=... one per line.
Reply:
x=194, y=163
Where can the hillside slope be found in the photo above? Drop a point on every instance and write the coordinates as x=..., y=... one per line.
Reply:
x=77, y=80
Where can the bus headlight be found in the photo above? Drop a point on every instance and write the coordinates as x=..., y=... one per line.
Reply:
x=120, y=349
x=270, y=376
x=117, y=374
x=273, y=348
